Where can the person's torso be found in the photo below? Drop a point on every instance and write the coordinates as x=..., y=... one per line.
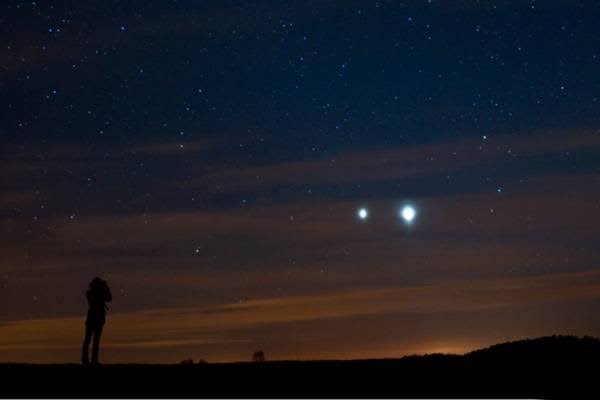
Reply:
x=97, y=306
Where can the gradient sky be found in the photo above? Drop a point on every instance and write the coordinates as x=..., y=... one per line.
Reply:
x=209, y=159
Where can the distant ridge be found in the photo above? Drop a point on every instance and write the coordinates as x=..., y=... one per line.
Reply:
x=560, y=343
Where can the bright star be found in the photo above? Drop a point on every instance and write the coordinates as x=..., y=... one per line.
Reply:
x=363, y=213
x=408, y=213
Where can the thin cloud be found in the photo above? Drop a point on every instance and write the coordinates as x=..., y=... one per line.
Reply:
x=439, y=158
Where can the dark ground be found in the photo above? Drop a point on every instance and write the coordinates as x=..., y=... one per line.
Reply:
x=558, y=366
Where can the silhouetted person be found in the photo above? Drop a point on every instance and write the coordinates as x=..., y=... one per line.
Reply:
x=97, y=296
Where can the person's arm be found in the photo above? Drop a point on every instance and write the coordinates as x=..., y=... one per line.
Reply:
x=108, y=294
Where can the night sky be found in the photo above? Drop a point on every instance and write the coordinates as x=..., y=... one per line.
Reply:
x=237, y=171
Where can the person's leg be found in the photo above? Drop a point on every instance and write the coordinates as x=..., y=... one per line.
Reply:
x=86, y=344
x=96, y=344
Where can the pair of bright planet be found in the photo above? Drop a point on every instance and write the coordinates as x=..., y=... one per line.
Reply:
x=407, y=213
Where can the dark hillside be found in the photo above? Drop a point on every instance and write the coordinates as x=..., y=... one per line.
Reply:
x=538, y=368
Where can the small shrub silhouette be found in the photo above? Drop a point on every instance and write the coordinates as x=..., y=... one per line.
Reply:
x=187, y=361
x=258, y=356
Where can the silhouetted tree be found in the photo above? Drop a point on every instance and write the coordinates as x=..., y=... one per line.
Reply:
x=187, y=361
x=258, y=356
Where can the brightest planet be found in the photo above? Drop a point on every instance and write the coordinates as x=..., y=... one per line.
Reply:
x=408, y=213
x=363, y=213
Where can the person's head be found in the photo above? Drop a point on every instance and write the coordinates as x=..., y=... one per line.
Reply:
x=97, y=283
